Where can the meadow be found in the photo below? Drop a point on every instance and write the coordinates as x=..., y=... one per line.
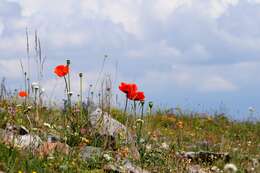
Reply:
x=99, y=137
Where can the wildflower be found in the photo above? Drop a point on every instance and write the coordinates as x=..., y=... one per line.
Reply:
x=148, y=147
x=165, y=146
x=34, y=172
x=107, y=157
x=35, y=85
x=215, y=169
x=61, y=70
x=142, y=140
x=230, y=168
x=20, y=171
x=137, y=96
x=128, y=88
x=70, y=93
x=255, y=163
x=23, y=94
x=150, y=104
x=42, y=90
x=140, y=121
x=251, y=109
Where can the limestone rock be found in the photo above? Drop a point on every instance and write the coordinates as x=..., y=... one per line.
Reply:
x=105, y=125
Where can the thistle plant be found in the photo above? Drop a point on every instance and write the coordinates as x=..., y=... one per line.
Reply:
x=25, y=86
x=81, y=94
x=69, y=89
x=150, y=105
x=141, y=121
x=35, y=89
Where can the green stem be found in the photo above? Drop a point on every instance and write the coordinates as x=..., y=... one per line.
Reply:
x=141, y=124
x=126, y=124
x=68, y=97
x=126, y=103
x=135, y=109
x=81, y=95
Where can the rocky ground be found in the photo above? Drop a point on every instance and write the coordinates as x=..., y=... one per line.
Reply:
x=166, y=142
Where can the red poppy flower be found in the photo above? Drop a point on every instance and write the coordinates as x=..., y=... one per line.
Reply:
x=128, y=88
x=23, y=94
x=137, y=96
x=61, y=70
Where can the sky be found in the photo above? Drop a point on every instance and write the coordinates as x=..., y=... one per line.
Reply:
x=201, y=55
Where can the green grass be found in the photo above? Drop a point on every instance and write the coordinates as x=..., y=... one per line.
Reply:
x=181, y=132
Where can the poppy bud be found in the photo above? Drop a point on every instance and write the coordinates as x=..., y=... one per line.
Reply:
x=68, y=62
x=70, y=94
x=150, y=104
x=142, y=103
x=80, y=74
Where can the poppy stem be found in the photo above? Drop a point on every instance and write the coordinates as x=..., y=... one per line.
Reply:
x=126, y=124
x=126, y=103
x=25, y=85
x=68, y=64
x=135, y=109
x=68, y=106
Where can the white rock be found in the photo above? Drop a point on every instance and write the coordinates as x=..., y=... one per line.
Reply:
x=106, y=125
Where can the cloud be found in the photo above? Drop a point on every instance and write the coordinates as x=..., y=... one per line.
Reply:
x=216, y=83
x=193, y=47
x=10, y=68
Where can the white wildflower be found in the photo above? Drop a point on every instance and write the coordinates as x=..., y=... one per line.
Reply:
x=107, y=157
x=165, y=146
x=35, y=85
x=230, y=168
x=142, y=140
x=42, y=90
x=251, y=109
x=255, y=163
x=148, y=147
x=215, y=169
x=140, y=121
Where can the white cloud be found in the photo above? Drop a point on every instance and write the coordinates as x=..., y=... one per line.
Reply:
x=185, y=45
x=163, y=9
x=219, y=7
x=217, y=83
x=10, y=68
x=1, y=27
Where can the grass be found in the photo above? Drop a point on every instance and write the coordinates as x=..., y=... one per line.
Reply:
x=163, y=135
